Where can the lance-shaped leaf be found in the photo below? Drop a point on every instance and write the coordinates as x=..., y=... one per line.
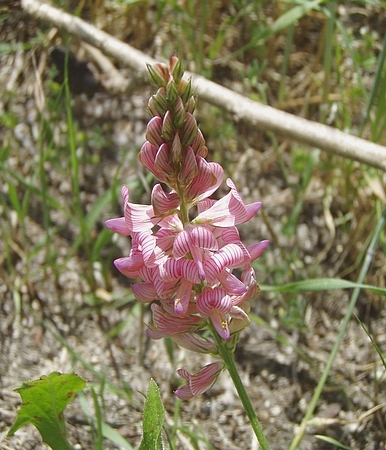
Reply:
x=153, y=419
x=44, y=402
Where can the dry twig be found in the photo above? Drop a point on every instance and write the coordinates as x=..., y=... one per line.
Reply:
x=262, y=116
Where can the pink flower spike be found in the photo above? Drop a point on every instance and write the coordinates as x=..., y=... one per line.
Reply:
x=216, y=303
x=199, y=382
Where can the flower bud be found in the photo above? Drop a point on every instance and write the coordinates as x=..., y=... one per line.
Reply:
x=154, y=131
x=185, y=89
x=179, y=113
x=189, y=130
x=158, y=74
x=176, y=68
x=168, y=129
x=171, y=91
x=158, y=103
x=190, y=105
x=176, y=150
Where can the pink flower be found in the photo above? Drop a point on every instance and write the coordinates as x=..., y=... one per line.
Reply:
x=166, y=325
x=185, y=248
x=229, y=210
x=199, y=382
x=216, y=303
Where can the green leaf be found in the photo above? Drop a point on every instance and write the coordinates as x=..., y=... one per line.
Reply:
x=43, y=404
x=321, y=284
x=292, y=15
x=332, y=441
x=153, y=419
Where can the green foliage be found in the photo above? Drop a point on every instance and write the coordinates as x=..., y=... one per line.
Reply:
x=44, y=402
x=153, y=419
x=321, y=284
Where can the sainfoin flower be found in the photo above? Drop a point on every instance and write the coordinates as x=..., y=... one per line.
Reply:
x=185, y=246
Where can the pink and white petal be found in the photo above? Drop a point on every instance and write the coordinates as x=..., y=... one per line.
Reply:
x=231, y=255
x=163, y=202
x=182, y=244
x=218, y=173
x=231, y=283
x=189, y=166
x=163, y=160
x=184, y=393
x=205, y=204
x=129, y=266
x=144, y=292
x=182, y=298
x=206, y=181
x=148, y=246
x=194, y=343
x=147, y=155
x=183, y=373
x=220, y=323
x=205, y=378
x=210, y=299
x=172, y=324
x=189, y=271
x=139, y=217
x=173, y=222
x=154, y=131
x=118, y=225
x=202, y=237
x=199, y=382
x=257, y=249
x=171, y=269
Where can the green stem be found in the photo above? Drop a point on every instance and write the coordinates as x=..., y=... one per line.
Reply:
x=227, y=356
x=319, y=388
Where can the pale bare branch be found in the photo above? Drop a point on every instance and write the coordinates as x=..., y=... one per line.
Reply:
x=241, y=108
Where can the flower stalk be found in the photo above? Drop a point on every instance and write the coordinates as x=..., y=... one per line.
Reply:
x=228, y=358
x=186, y=250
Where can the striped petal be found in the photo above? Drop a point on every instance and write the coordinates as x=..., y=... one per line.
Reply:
x=147, y=155
x=199, y=382
x=163, y=202
x=230, y=255
x=215, y=304
x=228, y=211
x=144, y=292
x=129, y=266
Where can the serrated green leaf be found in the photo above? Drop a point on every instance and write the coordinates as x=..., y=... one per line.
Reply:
x=321, y=284
x=153, y=419
x=43, y=404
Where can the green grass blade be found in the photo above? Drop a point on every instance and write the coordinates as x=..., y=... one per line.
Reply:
x=321, y=284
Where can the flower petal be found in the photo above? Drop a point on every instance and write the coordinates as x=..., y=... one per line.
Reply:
x=163, y=202
x=118, y=225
